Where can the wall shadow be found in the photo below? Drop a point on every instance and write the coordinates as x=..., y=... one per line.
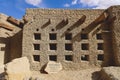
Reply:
x=42, y=70
x=96, y=75
x=76, y=24
x=97, y=30
x=46, y=24
x=2, y=76
x=6, y=48
x=61, y=24
x=16, y=46
x=76, y=38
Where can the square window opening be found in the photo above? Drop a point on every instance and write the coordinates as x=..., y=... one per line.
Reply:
x=84, y=36
x=100, y=57
x=36, y=58
x=36, y=46
x=85, y=57
x=85, y=46
x=52, y=36
x=52, y=57
x=68, y=36
x=68, y=57
x=99, y=36
x=53, y=46
x=37, y=36
x=68, y=47
x=100, y=46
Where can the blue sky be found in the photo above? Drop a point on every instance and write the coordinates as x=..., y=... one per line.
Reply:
x=16, y=8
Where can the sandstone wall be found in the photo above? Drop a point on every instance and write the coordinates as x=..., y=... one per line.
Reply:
x=4, y=46
x=16, y=46
x=46, y=21
x=10, y=40
x=115, y=28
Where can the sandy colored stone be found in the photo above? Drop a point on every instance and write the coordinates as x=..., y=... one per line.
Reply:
x=112, y=72
x=2, y=69
x=86, y=74
x=53, y=67
x=18, y=69
x=2, y=74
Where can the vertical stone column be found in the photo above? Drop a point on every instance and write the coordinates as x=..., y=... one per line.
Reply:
x=115, y=29
x=108, y=49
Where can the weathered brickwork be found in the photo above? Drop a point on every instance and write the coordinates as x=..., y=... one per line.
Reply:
x=66, y=36
x=115, y=28
x=10, y=44
x=78, y=39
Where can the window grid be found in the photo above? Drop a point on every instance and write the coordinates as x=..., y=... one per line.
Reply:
x=85, y=46
x=100, y=46
x=53, y=46
x=68, y=36
x=85, y=57
x=84, y=36
x=36, y=46
x=52, y=36
x=68, y=46
x=100, y=57
x=99, y=36
x=36, y=58
x=37, y=36
x=68, y=57
x=53, y=57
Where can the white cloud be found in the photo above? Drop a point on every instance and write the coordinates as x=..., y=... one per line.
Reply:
x=66, y=5
x=34, y=2
x=100, y=3
x=74, y=2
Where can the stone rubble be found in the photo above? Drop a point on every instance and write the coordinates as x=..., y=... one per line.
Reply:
x=111, y=73
x=18, y=69
x=53, y=67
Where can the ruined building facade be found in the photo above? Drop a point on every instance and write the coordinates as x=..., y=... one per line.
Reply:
x=10, y=38
x=78, y=39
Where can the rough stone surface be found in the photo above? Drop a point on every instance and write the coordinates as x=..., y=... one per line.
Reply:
x=2, y=72
x=54, y=21
x=2, y=69
x=73, y=53
x=18, y=69
x=115, y=28
x=9, y=40
x=112, y=73
x=53, y=67
x=86, y=74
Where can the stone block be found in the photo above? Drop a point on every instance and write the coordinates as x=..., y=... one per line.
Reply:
x=18, y=69
x=112, y=73
x=53, y=67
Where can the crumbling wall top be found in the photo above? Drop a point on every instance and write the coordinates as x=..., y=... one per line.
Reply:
x=69, y=13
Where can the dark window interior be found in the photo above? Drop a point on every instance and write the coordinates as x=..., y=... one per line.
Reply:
x=52, y=57
x=53, y=46
x=85, y=46
x=84, y=36
x=68, y=47
x=99, y=36
x=52, y=36
x=68, y=57
x=36, y=46
x=37, y=36
x=100, y=46
x=36, y=58
x=68, y=36
x=85, y=57
x=100, y=57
